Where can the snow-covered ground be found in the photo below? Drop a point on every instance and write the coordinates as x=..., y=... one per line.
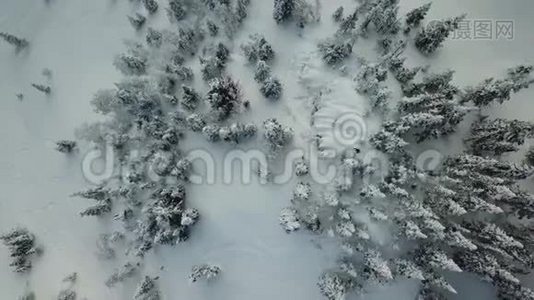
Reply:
x=239, y=229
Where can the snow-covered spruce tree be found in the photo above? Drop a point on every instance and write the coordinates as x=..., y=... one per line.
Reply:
x=416, y=16
x=369, y=81
x=67, y=294
x=491, y=90
x=383, y=14
x=101, y=196
x=301, y=167
x=188, y=40
x=235, y=133
x=126, y=271
x=224, y=97
x=211, y=132
x=348, y=24
x=131, y=65
x=42, y=88
x=489, y=184
x=18, y=43
x=214, y=61
x=231, y=17
x=435, y=83
x=276, y=135
x=205, y=272
x=166, y=220
x=257, y=48
x=107, y=243
x=283, y=10
x=65, y=146
x=271, y=88
x=289, y=219
x=430, y=38
x=213, y=29
x=334, y=52
x=338, y=14
x=262, y=72
x=190, y=98
x=151, y=6
x=335, y=285
x=529, y=156
x=241, y=8
x=498, y=136
x=430, y=115
x=22, y=248
x=403, y=74
x=147, y=289
x=177, y=10
x=137, y=21
x=154, y=38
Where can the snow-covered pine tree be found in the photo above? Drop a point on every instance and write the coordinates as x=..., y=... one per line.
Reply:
x=224, y=97
x=338, y=14
x=147, y=289
x=154, y=38
x=130, y=65
x=262, y=72
x=65, y=146
x=151, y=6
x=42, y=88
x=190, y=98
x=237, y=132
x=283, y=10
x=289, y=219
x=383, y=14
x=529, y=156
x=430, y=115
x=369, y=81
x=137, y=21
x=205, y=272
x=430, y=38
x=348, y=24
x=67, y=294
x=416, y=16
x=257, y=48
x=102, y=197
x=22, y=248
x=177, y=11
x=213, y=29
x=335, y=285
x=276, y=135
x=498, y=136
x=403, y=74
x=18, y=43
x=271, y=88
x=126, y=271
x=214, y=63
x=491, y=90
x=334, y=52
x=435, y=83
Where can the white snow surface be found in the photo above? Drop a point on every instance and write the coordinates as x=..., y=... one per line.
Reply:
x=238, y=229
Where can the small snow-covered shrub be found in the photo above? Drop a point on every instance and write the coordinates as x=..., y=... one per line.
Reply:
x=205, y=271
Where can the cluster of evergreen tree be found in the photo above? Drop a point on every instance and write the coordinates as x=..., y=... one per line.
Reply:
x=17, y=42
x=22, y=247
x=259, y=52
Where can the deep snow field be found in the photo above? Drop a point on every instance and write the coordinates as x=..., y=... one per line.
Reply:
x=239, y=231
